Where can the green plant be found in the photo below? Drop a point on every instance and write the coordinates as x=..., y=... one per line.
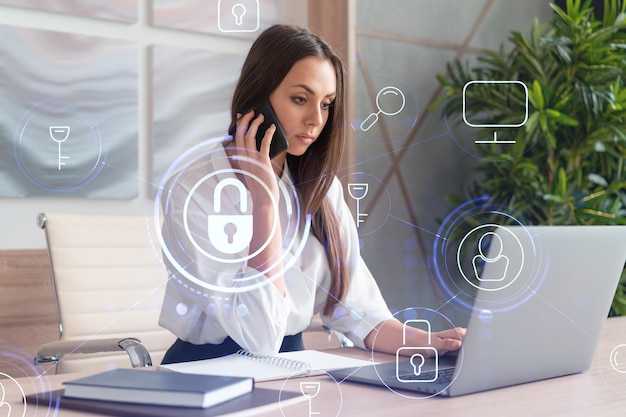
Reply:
x=567, y=165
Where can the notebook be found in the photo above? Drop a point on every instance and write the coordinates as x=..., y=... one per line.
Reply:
x=165, y=388
x=263, y=367
x=545, y=324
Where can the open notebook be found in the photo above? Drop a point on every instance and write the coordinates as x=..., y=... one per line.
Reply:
x=264, y=367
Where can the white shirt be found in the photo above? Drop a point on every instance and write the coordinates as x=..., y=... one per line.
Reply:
x=231, y=299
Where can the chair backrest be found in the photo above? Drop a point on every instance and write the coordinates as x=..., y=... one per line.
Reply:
x=109, y=281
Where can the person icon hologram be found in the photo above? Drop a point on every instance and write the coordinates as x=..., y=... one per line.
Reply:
x=481, y=259
x=4, y=405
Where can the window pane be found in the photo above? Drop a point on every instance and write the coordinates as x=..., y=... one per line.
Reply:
x=122, y=10
x=238, y=18
x=69, y=120
x=192, y=94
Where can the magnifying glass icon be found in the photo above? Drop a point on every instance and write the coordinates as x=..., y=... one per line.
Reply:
x=389, y=101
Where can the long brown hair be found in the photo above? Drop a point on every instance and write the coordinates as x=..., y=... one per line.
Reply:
x=271, y=57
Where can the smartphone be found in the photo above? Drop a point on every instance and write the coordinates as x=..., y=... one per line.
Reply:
x=279, y=141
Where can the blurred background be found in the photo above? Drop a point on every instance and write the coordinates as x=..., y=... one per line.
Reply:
x=99, y=98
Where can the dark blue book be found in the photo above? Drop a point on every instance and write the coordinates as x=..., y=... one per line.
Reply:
x=258, y=401
x=158, y=388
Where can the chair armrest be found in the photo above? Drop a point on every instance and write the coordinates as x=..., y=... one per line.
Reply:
x=54, y=352
x=316, y=325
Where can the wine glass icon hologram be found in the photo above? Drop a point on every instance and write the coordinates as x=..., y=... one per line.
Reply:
x=358, y=191
x=393, y=103
x=60, y=134
x=310, y=391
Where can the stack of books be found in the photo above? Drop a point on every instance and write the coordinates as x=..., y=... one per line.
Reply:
x=149, y=393
x=214, y=387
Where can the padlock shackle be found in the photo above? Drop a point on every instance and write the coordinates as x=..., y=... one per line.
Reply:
x=415, y=321
x=217, y=194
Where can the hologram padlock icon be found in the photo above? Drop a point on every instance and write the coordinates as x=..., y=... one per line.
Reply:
x=238, y=15
x=417, y=357
x=230, y=233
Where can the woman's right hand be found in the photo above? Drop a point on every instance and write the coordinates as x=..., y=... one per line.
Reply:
x=256, y=162
x=267, y=233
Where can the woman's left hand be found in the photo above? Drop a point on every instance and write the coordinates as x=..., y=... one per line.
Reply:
x=449, y=340
x=391, y=335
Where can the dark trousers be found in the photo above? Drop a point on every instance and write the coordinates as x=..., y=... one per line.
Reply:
x=182, y=351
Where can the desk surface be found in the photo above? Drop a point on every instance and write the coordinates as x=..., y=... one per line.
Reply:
x=600, y=391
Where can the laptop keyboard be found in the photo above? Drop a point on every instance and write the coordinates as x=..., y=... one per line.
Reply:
x=444, y=377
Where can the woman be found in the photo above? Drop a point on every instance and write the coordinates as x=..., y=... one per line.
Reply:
x=322, y=272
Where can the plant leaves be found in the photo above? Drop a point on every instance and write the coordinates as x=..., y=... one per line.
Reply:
x=597, y=179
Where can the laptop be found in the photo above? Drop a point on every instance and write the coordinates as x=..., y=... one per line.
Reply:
x=538, y=310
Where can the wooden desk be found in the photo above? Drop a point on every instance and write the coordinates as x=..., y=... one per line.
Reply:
x=600, y=391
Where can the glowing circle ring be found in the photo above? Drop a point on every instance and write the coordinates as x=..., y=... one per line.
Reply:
x=445, y=272
x=181, y=269
x=418, y=313
x=458, y=256
x=36, y=177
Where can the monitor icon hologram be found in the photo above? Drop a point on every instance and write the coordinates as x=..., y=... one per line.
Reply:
x=495, y=139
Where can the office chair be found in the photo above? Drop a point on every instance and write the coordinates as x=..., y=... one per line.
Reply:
x=109, y=281
x=318, y=336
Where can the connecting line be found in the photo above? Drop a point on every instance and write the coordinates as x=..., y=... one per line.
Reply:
x=564, y=315
x=398, y=150
x=156, y=249
x=350, y=374
x=416, y=227
x=131, y=174
x=170, y=277
x=444, y=304
x=339, y=301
